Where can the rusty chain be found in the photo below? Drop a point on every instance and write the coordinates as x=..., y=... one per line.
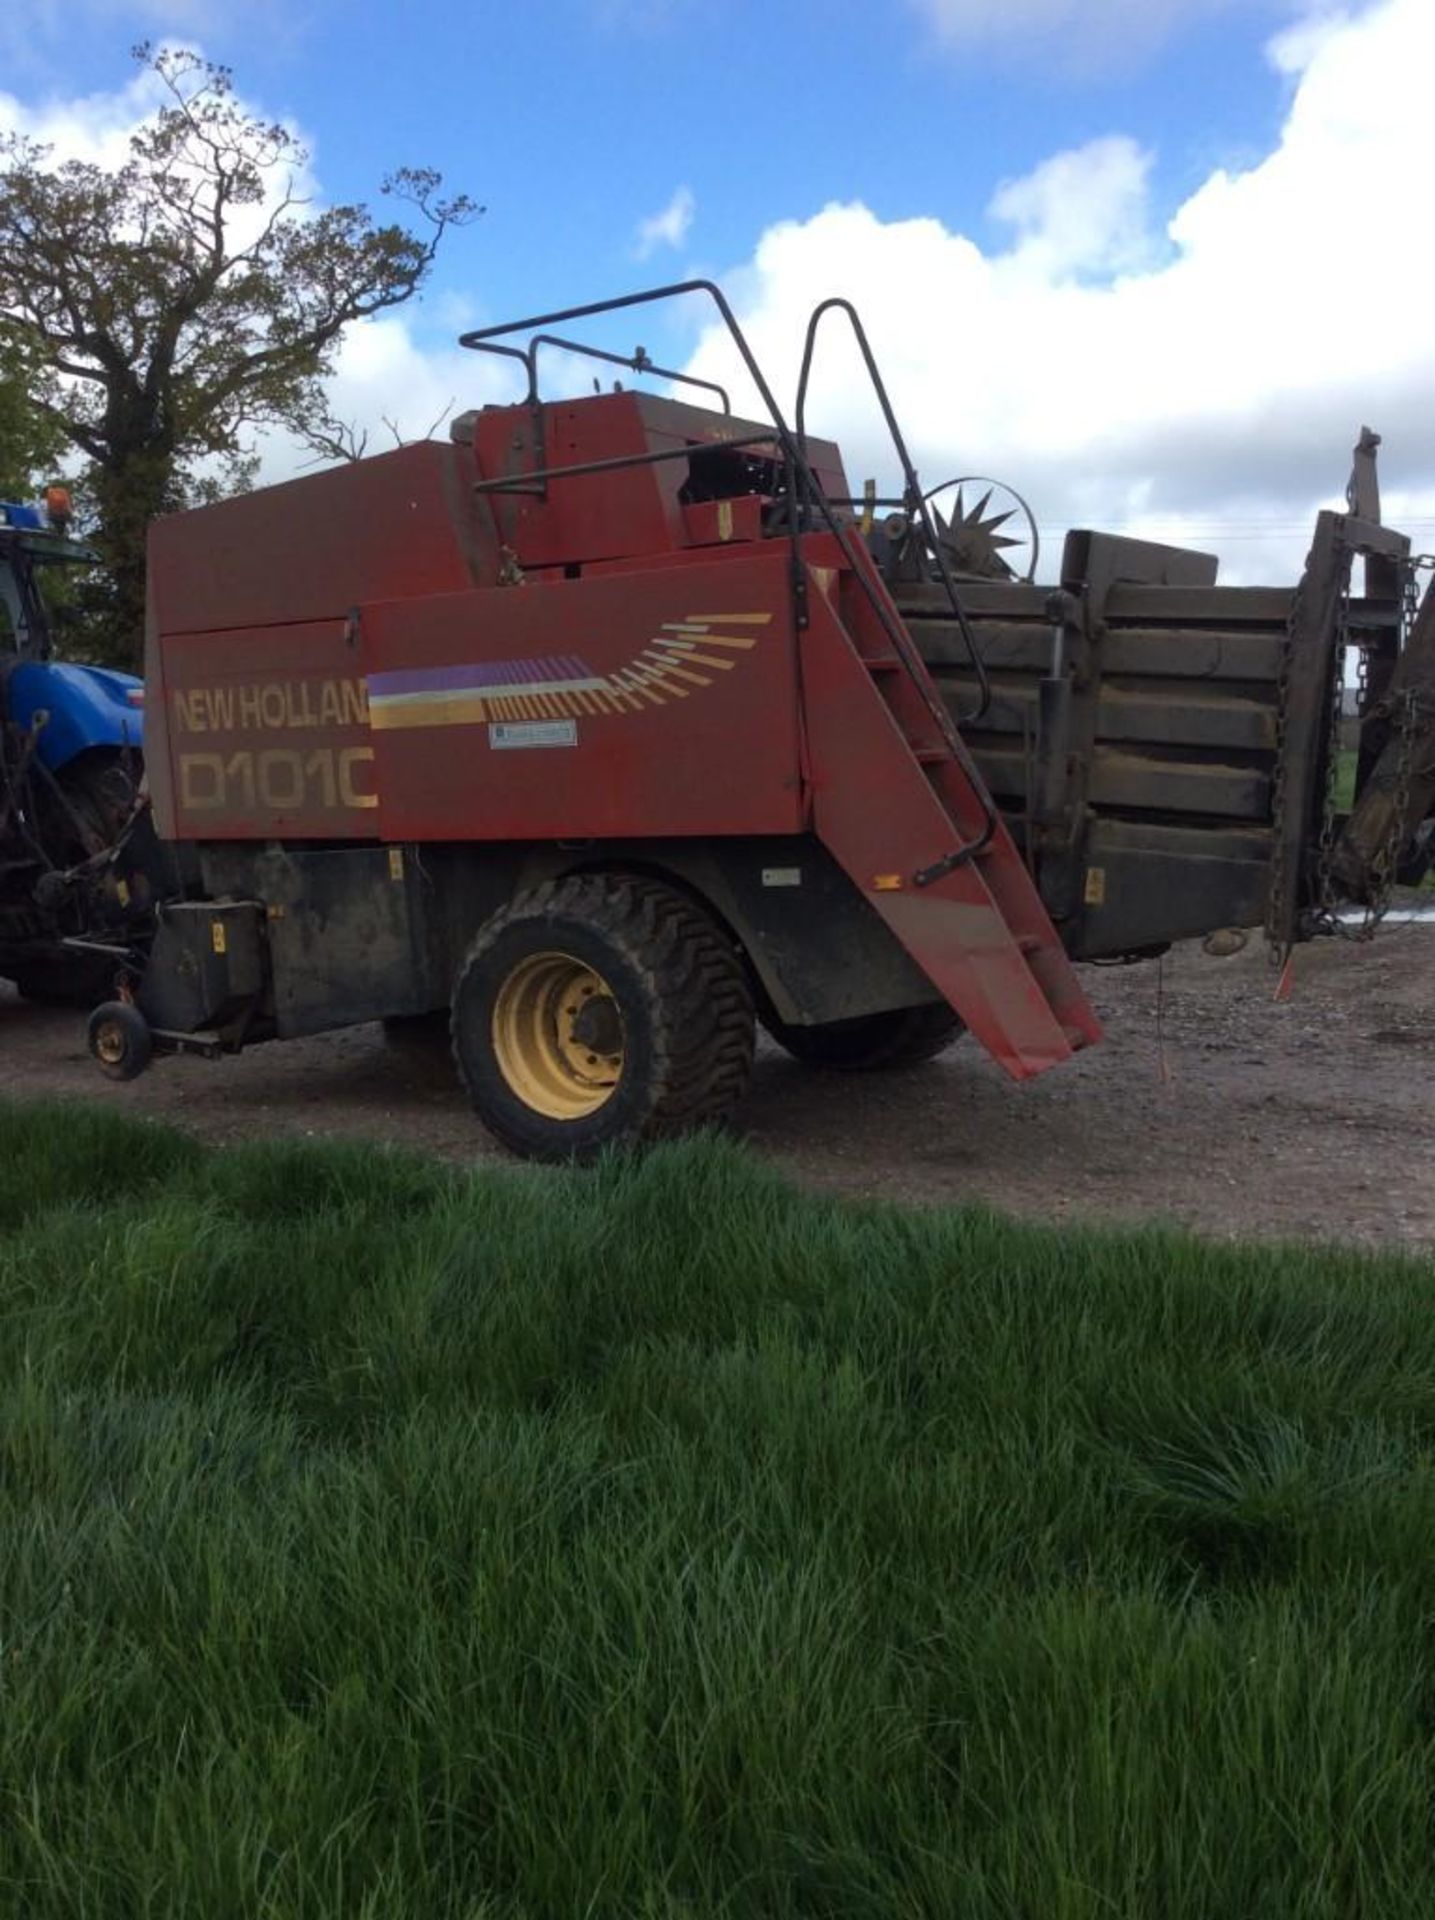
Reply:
x=1385, y=865
x=1386, y=862
x=1405, y=714
x=1326, y=903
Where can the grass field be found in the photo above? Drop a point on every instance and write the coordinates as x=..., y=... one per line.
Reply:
x=656, y=1541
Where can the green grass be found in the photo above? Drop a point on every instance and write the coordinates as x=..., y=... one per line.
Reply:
x=657, y=1541
x=1344, y=794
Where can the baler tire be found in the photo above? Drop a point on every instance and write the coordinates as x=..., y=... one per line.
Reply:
x=120, y=1040
x=873, y=1042
x=675, y=981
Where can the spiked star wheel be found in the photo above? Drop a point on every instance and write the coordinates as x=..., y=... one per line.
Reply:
x=973, y=541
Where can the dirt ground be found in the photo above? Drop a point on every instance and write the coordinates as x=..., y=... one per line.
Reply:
x=1210, y=1103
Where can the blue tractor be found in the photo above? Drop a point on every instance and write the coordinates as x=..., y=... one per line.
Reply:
x=71, y=741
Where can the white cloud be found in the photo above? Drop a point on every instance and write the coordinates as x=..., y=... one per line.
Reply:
x=95, y=128
x=1214, y=390
x=390, y=388
x=1083, y=211
x=668, y=228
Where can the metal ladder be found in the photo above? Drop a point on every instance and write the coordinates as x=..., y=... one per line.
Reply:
x=897, y=799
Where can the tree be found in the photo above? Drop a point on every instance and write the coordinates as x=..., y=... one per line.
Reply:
x=164, y=309
x=31, y=446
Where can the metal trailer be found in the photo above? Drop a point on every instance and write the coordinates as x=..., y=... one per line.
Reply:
x=71, y=740
x=619, y=723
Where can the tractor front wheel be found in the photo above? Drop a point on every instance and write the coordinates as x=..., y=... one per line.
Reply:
x=901, y=1038
x=598, y=1009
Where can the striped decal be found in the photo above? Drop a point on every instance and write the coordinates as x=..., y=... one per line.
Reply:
x=685, y=656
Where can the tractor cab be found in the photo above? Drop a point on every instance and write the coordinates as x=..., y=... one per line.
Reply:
x=32, y=540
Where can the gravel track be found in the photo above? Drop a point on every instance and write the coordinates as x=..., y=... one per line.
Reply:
x=1210, y=1103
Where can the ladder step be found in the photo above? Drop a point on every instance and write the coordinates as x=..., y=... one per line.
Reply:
x=977, y=927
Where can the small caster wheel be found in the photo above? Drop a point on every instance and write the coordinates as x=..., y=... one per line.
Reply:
x=120, y=1040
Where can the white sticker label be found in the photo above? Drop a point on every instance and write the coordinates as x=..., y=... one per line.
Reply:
x=533, y=733
x=782, y=876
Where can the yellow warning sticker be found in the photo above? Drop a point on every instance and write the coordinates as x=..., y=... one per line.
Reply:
x=396, y=863
x=1096, y=886
x=217, y=936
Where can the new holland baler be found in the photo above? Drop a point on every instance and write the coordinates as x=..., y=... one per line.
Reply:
x=618, y=723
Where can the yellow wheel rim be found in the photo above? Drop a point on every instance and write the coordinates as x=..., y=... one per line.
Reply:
x=110, y=1044
x=558, y=1036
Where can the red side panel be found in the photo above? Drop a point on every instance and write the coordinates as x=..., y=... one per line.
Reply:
x=402, y=523
x=589, y=517
x=632, y=513
x=255, y=722
x=265, y=736
x=650, y=704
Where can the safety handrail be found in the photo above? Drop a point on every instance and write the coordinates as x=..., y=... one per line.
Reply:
x=801, y=487
x=914, y=501
x=479, y=338
x=637, y=361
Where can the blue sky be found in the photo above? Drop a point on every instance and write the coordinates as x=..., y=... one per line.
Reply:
x=1102, y=244
x=576, y=120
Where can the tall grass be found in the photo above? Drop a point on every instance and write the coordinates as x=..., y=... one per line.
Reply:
x=654, y=1541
